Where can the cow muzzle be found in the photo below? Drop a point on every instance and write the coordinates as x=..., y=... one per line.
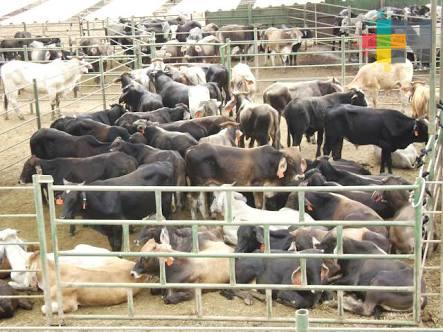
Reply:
x=136, y=275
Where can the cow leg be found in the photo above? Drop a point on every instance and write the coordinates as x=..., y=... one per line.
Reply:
x=202, y=205
x=337, y=147
x=319, y=142
x=251, y=142
x=72, y=229
x=258, y=200
x=241, y=141
x=14, y=104
x=193, y=205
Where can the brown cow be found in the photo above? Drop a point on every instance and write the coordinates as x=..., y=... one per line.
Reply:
x=208, y=164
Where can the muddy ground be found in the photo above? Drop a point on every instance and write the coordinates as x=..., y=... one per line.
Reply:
x=14, y=202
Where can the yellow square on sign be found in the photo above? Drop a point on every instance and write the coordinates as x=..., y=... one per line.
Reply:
x=383, y=55
x=398, y=40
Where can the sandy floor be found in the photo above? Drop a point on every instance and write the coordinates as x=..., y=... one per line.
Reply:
x=145, y=304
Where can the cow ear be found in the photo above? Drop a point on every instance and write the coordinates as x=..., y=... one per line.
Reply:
x=198, y=48
x=282, y=167
x=324, y=273
x=296, y=277
x=292, y=247
x=164, y=236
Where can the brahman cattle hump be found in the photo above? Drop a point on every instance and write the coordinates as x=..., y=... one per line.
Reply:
x=121, y=205
x=283, y=271
x=8, y=306
x=329, y=206
x=388, y=129
x=307, y=115
x=48, y=143
x=372, y=272
x=82, y=126
x=279, y=94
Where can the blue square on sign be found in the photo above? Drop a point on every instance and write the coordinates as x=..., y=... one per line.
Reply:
x=384, y=27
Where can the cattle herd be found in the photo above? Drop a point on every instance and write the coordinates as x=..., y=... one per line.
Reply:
x=189, y=126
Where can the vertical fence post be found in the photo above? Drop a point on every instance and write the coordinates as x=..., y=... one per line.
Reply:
x=302, y=320
x=433, y=63
x=87, y=27
x=418, y=206
x=228, y=58
x=249, y=13
x=80, y=26
x=256, y=57
x=343, y=60
x=25, y=53
x=102, y=81
x=315, y=22
x=24, y=27
x=43, y=247
x=37, y=104
x=55, y=248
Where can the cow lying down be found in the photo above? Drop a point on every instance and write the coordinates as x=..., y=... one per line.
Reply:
x=111, y=269
x=372, y=272
x=243, y=212
x=401, y=158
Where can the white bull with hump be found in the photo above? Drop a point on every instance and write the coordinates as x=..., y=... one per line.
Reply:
x=56, y=78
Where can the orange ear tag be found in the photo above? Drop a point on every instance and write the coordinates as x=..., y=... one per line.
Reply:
x=169, y=261
x=262, y=247
x=59, y=201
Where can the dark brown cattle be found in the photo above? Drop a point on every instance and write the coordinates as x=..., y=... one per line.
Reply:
x=215, y=165
x=200, y=127
x=9, y=306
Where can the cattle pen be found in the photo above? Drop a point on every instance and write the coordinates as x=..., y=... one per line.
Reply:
x=23, y=208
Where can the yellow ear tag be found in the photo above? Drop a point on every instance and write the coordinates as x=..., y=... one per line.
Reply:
x=169, y=261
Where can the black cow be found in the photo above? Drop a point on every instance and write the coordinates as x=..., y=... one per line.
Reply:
x=283, y=271
x=145, y=154
x=107, y=116
x=121, y=205
x=49, y=143
x=307, y=115
x=136, y=97
x=388, y=129
x=251, y=238
x=164, y=139
x=8, y=306
x=372, y=272
x=161, y=115
x=341, y=164
x=182, y=31
x=84, y=126
x=200, y=127
x=218, y=73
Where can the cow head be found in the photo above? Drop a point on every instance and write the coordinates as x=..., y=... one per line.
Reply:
x=295, y=164
x=358, y=97
x=328, y=243
x=402, y=238
x=142, y=124
x=31, y=167
x=84, y=66
x=250, y=238
x=117, y=144
x=420, y=131
x=73, y=202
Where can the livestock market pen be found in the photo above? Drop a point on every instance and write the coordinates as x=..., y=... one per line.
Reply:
x=22, y=208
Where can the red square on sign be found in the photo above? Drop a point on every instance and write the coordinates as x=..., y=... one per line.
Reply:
x=369, y=41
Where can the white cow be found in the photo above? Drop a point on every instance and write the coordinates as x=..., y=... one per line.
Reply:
x=56, y=78
x=377, y=76
x=243, y=212
x=243, y=81
x=401, y=158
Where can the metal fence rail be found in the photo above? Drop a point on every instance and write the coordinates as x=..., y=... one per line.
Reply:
x=418, y=189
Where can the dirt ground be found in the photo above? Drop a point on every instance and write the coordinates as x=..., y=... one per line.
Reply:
x=13, y=202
